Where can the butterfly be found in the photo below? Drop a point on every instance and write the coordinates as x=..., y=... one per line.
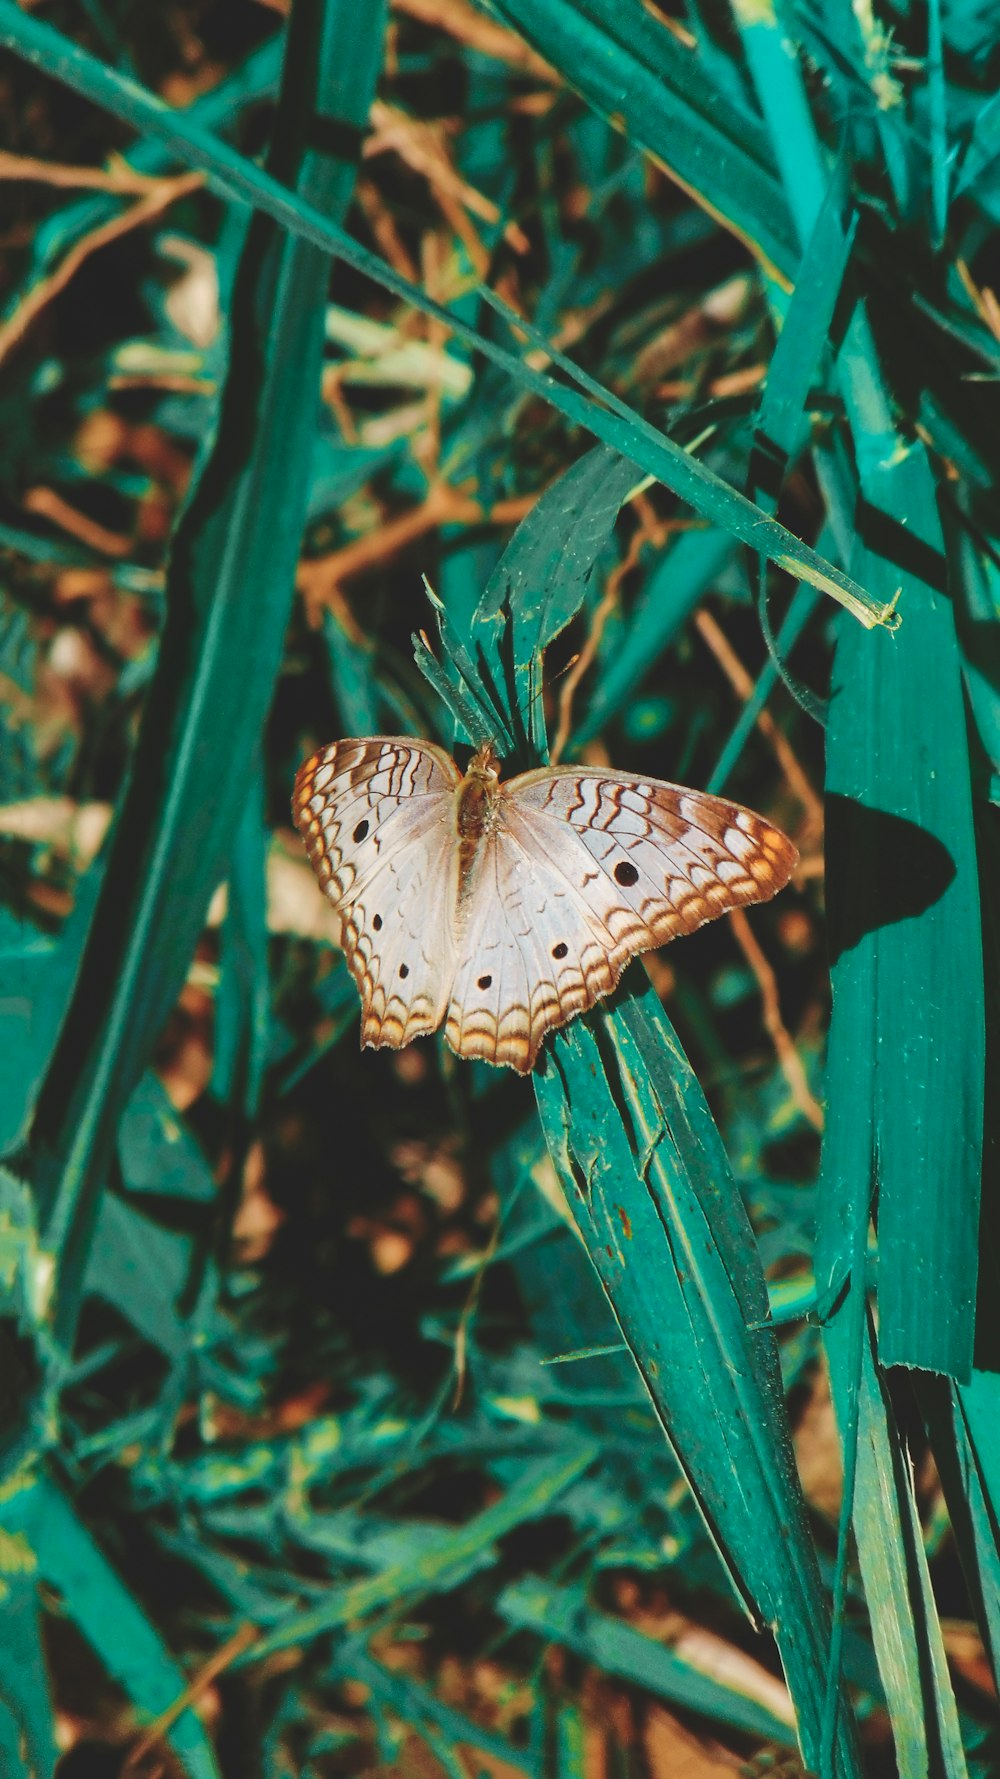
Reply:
x=505, y=909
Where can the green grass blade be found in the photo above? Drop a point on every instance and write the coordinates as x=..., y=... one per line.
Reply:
x=563, y=1615
x=235, y=177
x=230, y=587
x=904, y=900
x=887, y=1530
x=116, y=1629
x=27, y=1730
x=141, y=1270
x=242, y=998
x=648, y=1182
x=539, y=585
x=629, y=68
x=926, y=968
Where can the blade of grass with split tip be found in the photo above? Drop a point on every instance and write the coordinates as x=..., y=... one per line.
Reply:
x=236, y=178
x=230, y=586
x=564, y=1615
x=648, y=1182
x=907, y=1635
x=964, y=1424
x=477, y=718
x=108, y=1618
x=540, y=581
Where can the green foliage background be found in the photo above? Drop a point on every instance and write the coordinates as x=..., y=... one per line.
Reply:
x=769, y=238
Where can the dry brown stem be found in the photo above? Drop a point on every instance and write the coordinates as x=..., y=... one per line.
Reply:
x=163, y=194
x=742, y=683
x=789, y=1059
x=120, y=177
x=209, y=1671
x=50, y=505
x=320, y=581
x=468, y=26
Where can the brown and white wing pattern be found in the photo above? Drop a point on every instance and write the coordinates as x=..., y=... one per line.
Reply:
x=531, y=955
x=584, y=870
x=377, y=820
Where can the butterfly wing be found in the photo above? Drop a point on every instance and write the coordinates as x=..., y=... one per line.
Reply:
x=377, y=818
x=530, y=954
x=585, y=869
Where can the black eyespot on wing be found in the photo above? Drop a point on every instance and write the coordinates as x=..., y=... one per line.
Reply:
x=360, y=833
x=404, y=971
x=561, y=949
x=626, y=874
x=377, y=922
x=484, y=981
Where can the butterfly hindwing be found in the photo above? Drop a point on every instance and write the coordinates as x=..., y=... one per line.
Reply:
x=584, y=870
x=531, y=955
x=377, y=820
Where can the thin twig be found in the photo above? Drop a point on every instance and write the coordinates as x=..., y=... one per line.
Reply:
x=241, y=1640
x=422, y=148
x=120, y=177
x=50, y=505
x=468, y=26
x=382, y=224
x=41, y=294
x=652, y=530
x=321, y=579
x=742, y=684
x=789, y=1059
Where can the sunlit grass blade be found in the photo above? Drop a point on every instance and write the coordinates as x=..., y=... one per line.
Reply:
x=540, y=582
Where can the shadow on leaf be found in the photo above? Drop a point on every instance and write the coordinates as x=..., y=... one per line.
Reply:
x=881, y=869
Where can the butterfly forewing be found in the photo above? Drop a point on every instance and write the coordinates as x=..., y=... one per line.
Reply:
x=376, y=817
x=660, y=854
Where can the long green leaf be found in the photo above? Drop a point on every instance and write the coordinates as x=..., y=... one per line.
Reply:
x=230, y=584
x=235, y=177
x=648, y=1182
x=107, y=1616
x=562, y=1615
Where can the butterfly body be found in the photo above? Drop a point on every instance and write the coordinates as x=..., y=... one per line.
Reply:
x=503, y=909
x=477, y=810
